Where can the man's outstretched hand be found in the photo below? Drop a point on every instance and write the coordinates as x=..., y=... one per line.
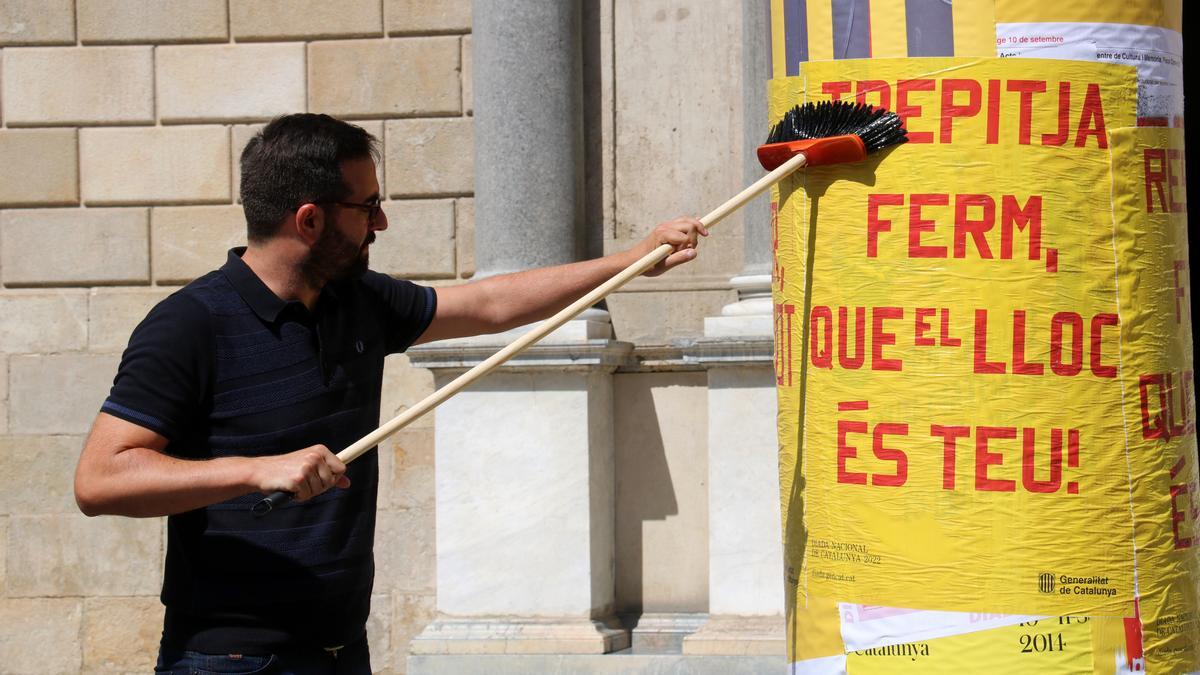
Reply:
x=680, y=233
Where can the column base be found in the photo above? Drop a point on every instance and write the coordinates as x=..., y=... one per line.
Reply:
x=750, y=315
x=738, y=635
x=507, y=635
x=662, y=633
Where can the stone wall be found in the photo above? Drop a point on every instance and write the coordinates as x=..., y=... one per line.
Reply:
x=121, y=122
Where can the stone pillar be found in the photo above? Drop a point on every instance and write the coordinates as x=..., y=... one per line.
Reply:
x=528, y=89
x=524, y=457
x=529, y=170
x=745, y=536
x=745, y=549
x=525, y=513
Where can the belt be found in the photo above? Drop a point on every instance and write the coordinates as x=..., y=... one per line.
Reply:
x=333, y=651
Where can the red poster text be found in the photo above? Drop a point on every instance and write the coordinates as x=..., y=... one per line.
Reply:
x=930, y=108
x=1164, y=172
x=982, y=227
x=1166, y=402
x=995, y=458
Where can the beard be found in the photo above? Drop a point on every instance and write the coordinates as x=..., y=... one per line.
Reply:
x=336, y=258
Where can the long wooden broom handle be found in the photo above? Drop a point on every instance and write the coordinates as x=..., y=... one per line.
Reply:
x=352, y=452
x=566, y=314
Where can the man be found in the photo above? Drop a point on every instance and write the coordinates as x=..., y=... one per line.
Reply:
x=242, y=382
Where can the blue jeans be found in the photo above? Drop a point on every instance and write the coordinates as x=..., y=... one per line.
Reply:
x=353, y=659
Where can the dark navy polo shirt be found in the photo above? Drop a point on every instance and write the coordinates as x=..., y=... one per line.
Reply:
x=222, y=368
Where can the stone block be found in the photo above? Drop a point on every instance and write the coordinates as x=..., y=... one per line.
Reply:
x=418, y=16
x=430, y=157
x=379, y=634
x=58, y=393
x=405, y=551
x=57, y=555
x=464, y=237
x=234, y=83
x=40, y=635
x=410, y=615
x=284, y=19
x=43, y=321
x=37, y=22
x=93, y=85
x=38, y=166
x=385, y=78
x=89, y=246
x=468, y=95
x=538, y=520
x=419, y=241
x=190, y=241
x=406, y=470
x=124, y=21
x=113, y=313
x=35, y=474
x=120, y=635
x=175, y=165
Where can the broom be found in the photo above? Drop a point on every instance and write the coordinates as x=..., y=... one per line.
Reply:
x=831, y=132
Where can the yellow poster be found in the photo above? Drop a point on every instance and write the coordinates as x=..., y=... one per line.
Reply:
x=1150, y=221
x=948, y=340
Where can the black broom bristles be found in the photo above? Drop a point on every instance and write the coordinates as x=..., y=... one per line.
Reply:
x=878, y=128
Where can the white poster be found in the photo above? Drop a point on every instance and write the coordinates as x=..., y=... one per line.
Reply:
x=1156, y=52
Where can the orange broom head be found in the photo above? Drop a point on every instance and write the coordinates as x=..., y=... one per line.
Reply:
x=820, y=151
x=831, y=132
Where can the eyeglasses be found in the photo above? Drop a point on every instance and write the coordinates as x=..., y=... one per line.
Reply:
x=372, y=208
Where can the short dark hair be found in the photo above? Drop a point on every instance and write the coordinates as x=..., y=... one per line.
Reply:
x=297, y=159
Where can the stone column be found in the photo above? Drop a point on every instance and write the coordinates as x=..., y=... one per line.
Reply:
x=745, y=538
x=529, y=170
x=745, y=549
x=528, y=89
x=524, y=457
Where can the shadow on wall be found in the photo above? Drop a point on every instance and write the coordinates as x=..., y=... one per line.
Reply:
x=661, y=493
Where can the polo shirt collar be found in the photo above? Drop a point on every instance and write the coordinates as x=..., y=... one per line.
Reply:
x=261, y=299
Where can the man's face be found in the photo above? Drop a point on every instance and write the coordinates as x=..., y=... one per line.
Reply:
x=342, y=252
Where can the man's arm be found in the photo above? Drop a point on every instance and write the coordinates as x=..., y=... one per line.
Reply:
x=124, y=471
x=502, y=302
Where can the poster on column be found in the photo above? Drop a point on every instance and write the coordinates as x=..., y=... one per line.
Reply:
x=1145, y=34
x=949, y=344
x=1150, y=220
